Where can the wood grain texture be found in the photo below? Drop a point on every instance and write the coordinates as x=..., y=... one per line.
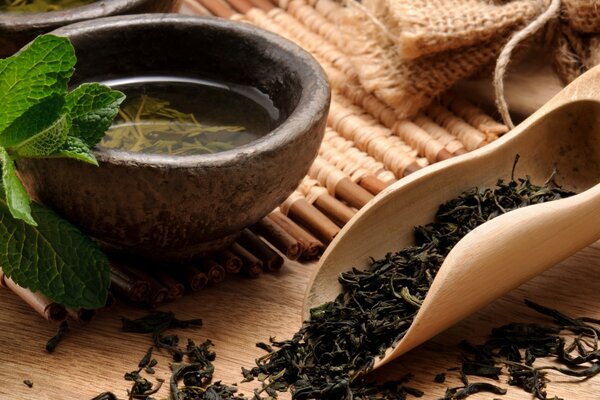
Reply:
x=240, y=312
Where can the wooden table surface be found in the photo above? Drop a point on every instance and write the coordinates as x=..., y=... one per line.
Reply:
x=240, y=312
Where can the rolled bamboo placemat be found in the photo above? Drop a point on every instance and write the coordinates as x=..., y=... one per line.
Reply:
x=312, y=246
x=158, y=293
x=279, y=237
x=363, y=170
x=218, y=8
x=41, y=304
x=191, y=7
x=333, y=140
x=373, y=139
x=469, y=136
x=450, y=142
x=474, y=115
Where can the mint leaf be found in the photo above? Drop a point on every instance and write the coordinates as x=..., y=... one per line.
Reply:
x=17, y=198
x=75, y=148
x=54, y=258
x=92, y=108
x=35, y=121
x=36, y=72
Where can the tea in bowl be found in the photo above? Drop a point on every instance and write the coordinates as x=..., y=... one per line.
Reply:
x=221, y=123
x=21, y=21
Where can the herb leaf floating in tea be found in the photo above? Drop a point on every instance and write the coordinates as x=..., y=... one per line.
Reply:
x=40, y=118
x=377, y=306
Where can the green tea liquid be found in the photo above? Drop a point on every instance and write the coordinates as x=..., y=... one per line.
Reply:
x=186, y=116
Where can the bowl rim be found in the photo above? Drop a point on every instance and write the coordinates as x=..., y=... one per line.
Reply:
x=312, y=104
x=17, y=22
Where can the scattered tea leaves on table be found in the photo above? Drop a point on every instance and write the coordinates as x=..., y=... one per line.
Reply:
x=28, y=383
x=571, y=344
x=106, y=396
x=63, y=328
x=377, y=306
x=196, y=373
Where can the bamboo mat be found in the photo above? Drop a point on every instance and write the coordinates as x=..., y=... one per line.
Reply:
x=366, y=148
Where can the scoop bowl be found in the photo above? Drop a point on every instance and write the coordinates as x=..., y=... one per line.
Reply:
x=504, y=252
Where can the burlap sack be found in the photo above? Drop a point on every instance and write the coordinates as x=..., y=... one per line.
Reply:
x=406, y=52
x=578, y=43
x=582, y=15
x=423, y=27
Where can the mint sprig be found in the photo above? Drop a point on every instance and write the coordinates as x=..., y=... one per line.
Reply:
x=39, y=117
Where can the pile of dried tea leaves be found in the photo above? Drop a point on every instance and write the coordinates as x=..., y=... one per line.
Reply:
x=377, y=305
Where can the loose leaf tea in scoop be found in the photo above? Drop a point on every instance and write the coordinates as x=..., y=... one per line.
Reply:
x=377, y=305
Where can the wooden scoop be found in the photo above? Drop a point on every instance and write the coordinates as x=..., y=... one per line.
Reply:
x=500, y=254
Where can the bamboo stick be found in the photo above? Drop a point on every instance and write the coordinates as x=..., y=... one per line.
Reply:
x=338, y=183
x=299, y=210
x=318, y=196
x=312, y=246
x=270, y=259
x=158, y=292
x=175, y=289
x=252, y=267
x=279, y=237
x=41, y=304
x=213, y=270
x=192, y=277
x=131, y=287
x=469, y=136
x=82, y=315
x=231, y=262
x=474, y=116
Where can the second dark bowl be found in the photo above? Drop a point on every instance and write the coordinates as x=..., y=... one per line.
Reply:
x=17, y=29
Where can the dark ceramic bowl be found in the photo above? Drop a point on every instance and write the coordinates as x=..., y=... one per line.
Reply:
x=17, y=29
x=175, y=208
